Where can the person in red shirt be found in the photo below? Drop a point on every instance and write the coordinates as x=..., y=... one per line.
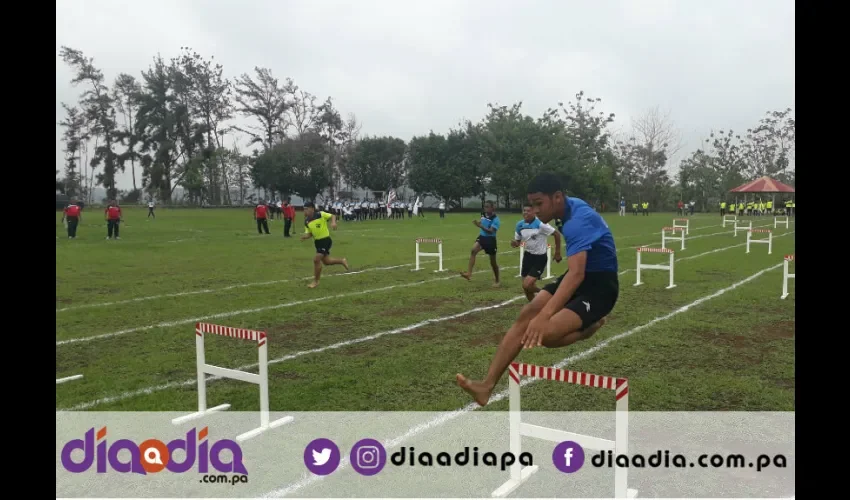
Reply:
x=288, y=216
x=260, y=213
x=71, y=217
x=113, y=218
x=681, y=208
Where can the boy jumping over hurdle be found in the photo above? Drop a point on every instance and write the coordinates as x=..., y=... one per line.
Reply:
x=316, y=227
x=572, y=308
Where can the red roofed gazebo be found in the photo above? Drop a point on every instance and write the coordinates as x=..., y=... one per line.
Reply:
x=763, y=185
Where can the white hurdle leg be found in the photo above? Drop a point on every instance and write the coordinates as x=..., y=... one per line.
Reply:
x=548, y=262
x=637, y=271
x=672, y=285
x=521, y=254
x=440, y=249
x=785, y=277
x=518, y=473
x=202, y=385
x=264, y=400
x=417, y=256
x=683, y=239
x=769, y=243
x=621, y=445
x=749, y=235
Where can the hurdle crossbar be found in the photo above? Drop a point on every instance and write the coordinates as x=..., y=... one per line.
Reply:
x=687, y=225
x=741, y=227
x=665, y=237
x=518, y=429
x=777, y=222
x=548, y=260
x=261, y=379
x=768, y=240
x=438, y=254
x=729, y=218
x=660, y=267
x=786, y=275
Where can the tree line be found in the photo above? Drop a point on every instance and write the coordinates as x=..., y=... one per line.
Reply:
x=172, y=123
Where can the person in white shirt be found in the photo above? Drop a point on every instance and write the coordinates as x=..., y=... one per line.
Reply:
x=150, y=209
x=534, y=235
x=421, y=212
x=442, y=208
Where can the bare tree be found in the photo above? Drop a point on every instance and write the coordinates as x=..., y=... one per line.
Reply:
x=656, y=131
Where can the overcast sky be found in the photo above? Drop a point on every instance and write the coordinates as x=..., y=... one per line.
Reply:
x=405, y=67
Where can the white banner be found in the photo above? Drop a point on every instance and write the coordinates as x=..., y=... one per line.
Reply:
x=465, y=454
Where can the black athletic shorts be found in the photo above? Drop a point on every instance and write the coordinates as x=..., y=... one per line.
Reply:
x=595, y=297
x=323, y=246
x=533, y=265
x=488, y=244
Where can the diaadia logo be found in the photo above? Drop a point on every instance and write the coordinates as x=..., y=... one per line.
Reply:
x=152, y=456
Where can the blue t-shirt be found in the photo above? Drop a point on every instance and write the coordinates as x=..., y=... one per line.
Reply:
x=585, y=230
x=489, y=222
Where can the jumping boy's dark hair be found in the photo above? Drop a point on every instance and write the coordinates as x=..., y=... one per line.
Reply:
x=489, y=203
x=527, y=205
x=546, y=183
x=309, y=204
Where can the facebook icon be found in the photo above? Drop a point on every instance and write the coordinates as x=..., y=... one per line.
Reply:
x=568, y=457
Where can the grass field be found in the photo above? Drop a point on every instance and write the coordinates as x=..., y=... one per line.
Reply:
x=381, y=337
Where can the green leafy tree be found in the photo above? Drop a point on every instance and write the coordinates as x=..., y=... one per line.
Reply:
x=99, y=107
x=378, y=163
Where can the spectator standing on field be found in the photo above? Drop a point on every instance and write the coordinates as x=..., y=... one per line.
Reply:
x=261, y=211
x=71, y=217
x=150, y=209
x=288, y=217
x=113, y=220
x=442, y=208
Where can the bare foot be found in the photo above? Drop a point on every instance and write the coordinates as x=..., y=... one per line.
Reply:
x=496, y=284
x=465, y=276
x=478, y=390
x=345, y=264
x=313, y=284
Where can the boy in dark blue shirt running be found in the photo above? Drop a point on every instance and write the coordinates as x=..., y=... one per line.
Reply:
x=488, y=225
x=572, y=308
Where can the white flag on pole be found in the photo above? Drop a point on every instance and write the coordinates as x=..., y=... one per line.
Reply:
x=416, y=206
x=390, y=200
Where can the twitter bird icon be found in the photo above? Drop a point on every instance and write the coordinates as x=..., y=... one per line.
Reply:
x=321, y=456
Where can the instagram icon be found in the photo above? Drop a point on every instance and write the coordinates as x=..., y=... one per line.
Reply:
x=368, y=457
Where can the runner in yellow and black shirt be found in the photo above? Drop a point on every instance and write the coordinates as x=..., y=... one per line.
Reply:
x=316, y=227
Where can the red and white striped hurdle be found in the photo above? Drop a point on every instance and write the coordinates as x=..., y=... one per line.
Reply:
x=261, y=379
x=518, y=429
x=769, y=239
x=665, y=237
x=660, y=267
x=742, y=226
x=548, y=260
x=729, y=218
x=786, y=275
x=686, y=225
x=780, y=219
x=438, y=254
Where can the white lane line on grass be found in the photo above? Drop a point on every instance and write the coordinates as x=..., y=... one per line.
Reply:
x=68, y=379
x=263, y=283
x=168, y=324
x=308, y=479
x=288, y=357
x=247, y=285
x=712, y=251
